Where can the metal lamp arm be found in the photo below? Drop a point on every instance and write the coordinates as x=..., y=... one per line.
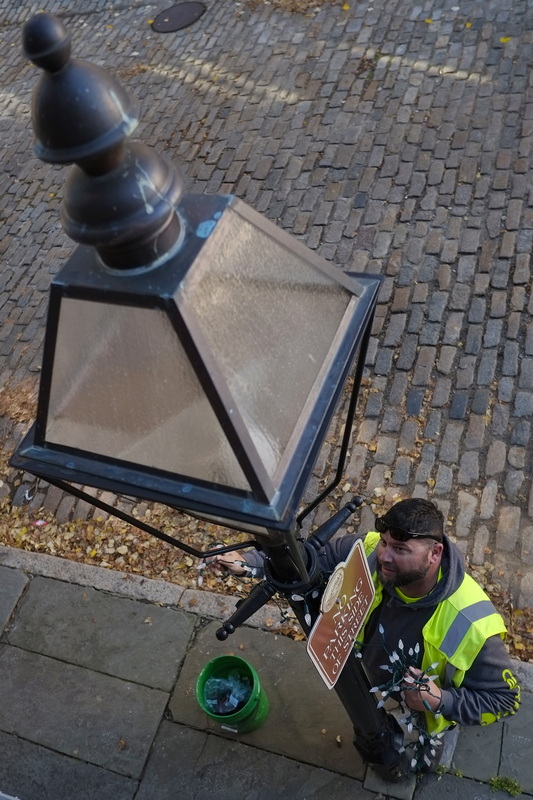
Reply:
x=260, y=595
x=325, y=532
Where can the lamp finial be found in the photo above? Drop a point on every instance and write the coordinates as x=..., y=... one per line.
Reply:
x=121, y=197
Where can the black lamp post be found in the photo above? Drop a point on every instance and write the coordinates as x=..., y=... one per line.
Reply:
x=194, y=352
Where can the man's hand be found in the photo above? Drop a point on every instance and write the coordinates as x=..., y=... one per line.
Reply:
x=227, y=562
x=425, y=699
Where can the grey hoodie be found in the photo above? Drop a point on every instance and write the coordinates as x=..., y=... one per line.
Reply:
x=489, y=685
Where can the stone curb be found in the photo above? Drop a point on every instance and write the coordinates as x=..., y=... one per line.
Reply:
x=195, y=601
x=107, y=580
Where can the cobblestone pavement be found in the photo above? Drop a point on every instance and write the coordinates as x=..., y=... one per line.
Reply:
x=395, y=138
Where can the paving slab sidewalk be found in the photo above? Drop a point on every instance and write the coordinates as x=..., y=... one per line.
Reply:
x=98, y=700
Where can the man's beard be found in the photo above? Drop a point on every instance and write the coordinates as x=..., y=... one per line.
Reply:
x=402, y=578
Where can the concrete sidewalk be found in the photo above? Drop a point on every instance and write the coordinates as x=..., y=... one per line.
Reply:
x=97, y=677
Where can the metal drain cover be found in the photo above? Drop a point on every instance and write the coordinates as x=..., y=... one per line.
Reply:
x=177, y=17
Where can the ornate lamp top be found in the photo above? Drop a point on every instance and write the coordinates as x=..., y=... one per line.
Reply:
x=121, y=198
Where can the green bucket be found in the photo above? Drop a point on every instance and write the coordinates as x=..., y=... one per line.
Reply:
x=253, y=712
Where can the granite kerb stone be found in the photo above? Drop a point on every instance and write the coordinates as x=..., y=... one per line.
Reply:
x=135, y=587
x=12, y=585
x=125, y=584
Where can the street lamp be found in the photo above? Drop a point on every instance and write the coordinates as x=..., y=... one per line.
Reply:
x=194, y=352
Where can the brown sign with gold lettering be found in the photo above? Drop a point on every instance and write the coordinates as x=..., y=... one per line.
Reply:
x=346, y=600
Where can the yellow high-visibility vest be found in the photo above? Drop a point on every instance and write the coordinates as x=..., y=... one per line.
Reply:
x=452, y=637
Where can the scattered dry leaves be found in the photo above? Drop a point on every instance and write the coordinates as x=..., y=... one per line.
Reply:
x=19, y=402
x=519, y=622
x=116, y=544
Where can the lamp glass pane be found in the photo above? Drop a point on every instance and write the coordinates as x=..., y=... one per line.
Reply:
x=271, y=319
x=123, y=387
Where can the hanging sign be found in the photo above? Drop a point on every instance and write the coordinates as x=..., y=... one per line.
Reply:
x=345, y=603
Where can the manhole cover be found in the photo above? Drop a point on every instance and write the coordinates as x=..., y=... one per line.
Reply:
x=177, y=17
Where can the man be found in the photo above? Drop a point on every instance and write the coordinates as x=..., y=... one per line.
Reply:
x=432, y=638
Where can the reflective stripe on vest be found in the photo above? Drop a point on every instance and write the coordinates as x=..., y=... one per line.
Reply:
x=460, y=626
x=373, y=562
x=462, y=623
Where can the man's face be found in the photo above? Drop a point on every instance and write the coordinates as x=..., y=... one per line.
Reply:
x=402, y=563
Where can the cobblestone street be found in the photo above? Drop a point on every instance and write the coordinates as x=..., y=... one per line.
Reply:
x=393, y=137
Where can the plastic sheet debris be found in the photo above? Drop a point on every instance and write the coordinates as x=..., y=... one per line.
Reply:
x=227, y=695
